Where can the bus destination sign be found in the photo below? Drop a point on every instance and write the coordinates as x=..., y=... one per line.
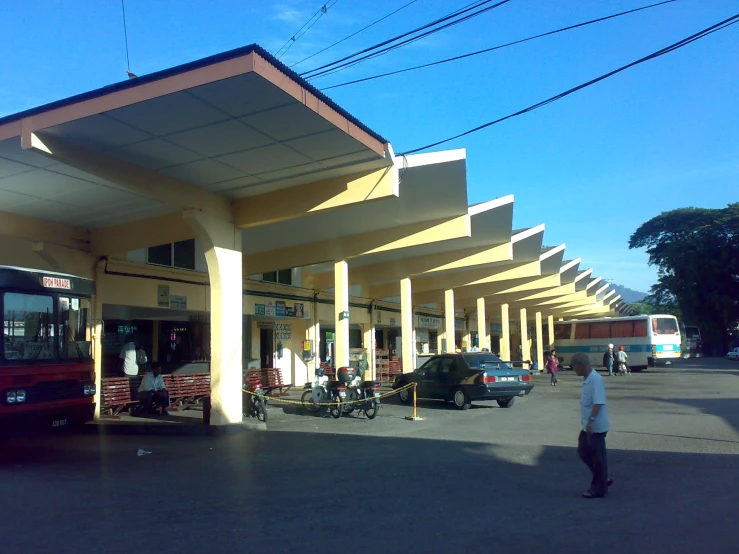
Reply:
x=56, y=283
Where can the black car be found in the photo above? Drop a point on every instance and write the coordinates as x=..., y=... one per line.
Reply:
x=462, y=378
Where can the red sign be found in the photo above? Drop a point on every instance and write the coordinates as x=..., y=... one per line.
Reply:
x=57, y=283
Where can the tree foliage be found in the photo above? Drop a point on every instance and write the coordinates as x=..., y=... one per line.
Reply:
x=696, y=251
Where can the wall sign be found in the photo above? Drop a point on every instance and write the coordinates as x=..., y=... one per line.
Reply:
x=280, y=308
x=178, y=302
x=283, y=331
x=163, y=296
x=460, y=325
x=428, y=322
x=56, y=283
x=496, y=328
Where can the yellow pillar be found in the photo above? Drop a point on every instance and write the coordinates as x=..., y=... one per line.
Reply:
x=222, y=245
x=505, y=334
x=369, y=344
x=483, y=330
x=449, y=319
x=539, y=342
x=97, y=329
x=314, y=335
x=525, y=350
x=406, y=325
x=467, y=335
x=341, y=306
x=550, y=329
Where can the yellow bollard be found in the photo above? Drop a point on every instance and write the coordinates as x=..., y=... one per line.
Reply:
x=414, y=417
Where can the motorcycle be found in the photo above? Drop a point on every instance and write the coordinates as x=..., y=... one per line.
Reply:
x=361, y=395
x=323, y=391
x=255, y=405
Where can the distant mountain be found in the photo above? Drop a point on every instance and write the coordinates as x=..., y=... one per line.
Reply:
x=628, y=295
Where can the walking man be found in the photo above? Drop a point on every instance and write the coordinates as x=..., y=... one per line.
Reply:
x=591, y=444
x=608, y=360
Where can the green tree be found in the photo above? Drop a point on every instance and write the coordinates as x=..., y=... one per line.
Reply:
x=696, y=251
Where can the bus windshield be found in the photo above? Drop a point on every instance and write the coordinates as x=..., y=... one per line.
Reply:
x=664, y=326
x=28, y=326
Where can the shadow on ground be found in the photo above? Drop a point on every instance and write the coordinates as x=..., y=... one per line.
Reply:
x=290, y=492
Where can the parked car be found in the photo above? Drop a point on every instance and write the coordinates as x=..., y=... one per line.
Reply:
x=733, y=354
x=462, y=378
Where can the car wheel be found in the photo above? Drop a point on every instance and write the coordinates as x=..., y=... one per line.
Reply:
x=460, y=399
x=406, y=395
x=506, y=402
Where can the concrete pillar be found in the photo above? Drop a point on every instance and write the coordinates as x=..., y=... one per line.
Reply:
x=483, y=329
x=341, y=304
x=314, y=336
x=369, y=344
x=222, y=246
x=505, y=334
x=539, y=342
x=550, y=329
x=449, y=319
x=525, y=350
x=406, y=325
x=467, y=335
x=97, y=334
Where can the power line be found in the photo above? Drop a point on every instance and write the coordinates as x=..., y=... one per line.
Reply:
x=376, y=47
x=125, y=37
x=307, y=26
x=355, y=33
x=679, y=44
x=486, y=50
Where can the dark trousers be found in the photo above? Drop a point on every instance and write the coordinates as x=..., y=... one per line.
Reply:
x=592, y=451
x=554, y=377
x=609, y=366
x=158, y=398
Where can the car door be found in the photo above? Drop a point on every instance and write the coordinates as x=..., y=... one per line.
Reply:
x=426, y=378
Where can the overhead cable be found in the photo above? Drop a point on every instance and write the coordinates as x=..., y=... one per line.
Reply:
x=355, y=33
x=486, y=50
x=305, y=28
x=684, y=42
x=375, y=49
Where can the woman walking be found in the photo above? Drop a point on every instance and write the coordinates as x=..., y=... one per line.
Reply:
x=552, y=363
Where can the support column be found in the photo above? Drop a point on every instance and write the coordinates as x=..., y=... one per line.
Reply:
x=341, y=304
x=525, y=350
x=539, y=342
x=314, y=335
x=369, y=344
x=449, y=333
x=222, y=245
x=467, y=335
x=483, y=329
x=550, y=329
x=97, y=334
x=505, y=334
x=406, y=325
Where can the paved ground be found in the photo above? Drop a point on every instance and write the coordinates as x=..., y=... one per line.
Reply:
x=488, y=479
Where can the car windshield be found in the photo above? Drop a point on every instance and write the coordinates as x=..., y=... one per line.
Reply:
x=484, y=360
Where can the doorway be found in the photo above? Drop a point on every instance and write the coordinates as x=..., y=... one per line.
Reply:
x=267, y=346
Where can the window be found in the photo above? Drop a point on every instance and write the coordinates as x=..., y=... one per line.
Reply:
x=446, y=366
x=484, y=360
x=600, y=330
x=283, y=276
x=179, y=254
x=73, y=343
x=582, y=331
x=430, y=366
x=664, y=326
x=622, y=329
x=28, y=327
x=563, y=331
x=640, y=328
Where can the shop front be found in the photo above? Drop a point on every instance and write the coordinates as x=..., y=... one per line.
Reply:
x=428, y=328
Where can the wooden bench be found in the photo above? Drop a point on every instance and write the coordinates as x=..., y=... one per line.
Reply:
x=269, y=377
x=116, y=395
x=187, y=390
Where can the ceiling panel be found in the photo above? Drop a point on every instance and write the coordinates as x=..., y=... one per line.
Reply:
x=155, y=154
x=48, y=209
x=243, y=95
x=168, y=114
x=8, y=168
x=262, y=160
x=10, y=149
x=222, y=138
x=41, y=183
x=234, y=185
x=203, y=172
x=97, y=132
x=11, y=199
x=326, y=145
x=289, y=122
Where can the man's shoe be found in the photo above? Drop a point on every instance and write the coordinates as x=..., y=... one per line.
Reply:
x=588, y=494
x=609, y=482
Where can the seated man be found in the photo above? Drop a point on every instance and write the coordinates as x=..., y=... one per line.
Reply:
x=153, y=391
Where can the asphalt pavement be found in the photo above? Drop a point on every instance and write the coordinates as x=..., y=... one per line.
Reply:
x=486, y=479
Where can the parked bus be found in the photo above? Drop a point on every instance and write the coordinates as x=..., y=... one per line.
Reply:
x=648, y=340
x=47, y=375
x=692, y=346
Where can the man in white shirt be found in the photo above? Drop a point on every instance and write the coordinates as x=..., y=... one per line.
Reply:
x=591, y=444
x=153, y=391
x=128, y=366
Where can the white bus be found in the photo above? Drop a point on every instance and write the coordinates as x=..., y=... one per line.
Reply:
x=648, y=340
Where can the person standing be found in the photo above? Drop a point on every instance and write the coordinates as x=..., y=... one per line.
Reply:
x=552, y=363
x=591, y=443
x=608, y=360
x=128, y=365
x=622, y=358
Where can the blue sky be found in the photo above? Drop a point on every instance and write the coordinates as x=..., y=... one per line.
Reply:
x=592, y=167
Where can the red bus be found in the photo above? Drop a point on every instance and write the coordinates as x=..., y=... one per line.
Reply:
x=47, y=373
